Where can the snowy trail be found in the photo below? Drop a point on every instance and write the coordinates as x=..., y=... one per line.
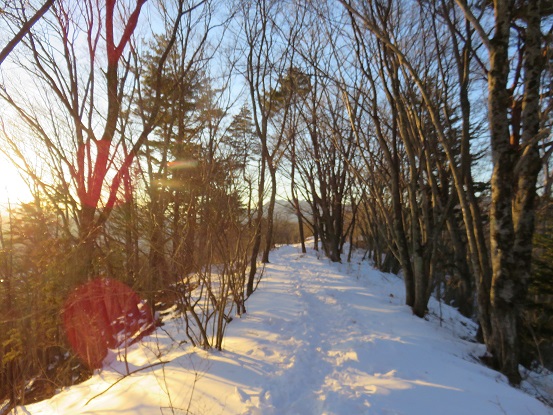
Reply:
x=318, y=339
x=348, y=348
x=352, y=348
x=322, y=351
x=299, y=388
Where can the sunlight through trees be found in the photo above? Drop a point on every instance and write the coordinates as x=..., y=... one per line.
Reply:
x=169, y=146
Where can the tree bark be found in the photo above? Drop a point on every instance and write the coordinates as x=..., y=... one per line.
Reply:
x=514, y=178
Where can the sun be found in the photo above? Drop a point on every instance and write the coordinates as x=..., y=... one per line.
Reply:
x=13, y=189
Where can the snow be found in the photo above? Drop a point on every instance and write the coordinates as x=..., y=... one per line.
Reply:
x=318, y=338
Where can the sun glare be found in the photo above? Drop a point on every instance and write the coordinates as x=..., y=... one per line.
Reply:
x=13, y=189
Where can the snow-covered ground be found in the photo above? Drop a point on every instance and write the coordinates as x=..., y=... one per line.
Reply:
x=318, y=338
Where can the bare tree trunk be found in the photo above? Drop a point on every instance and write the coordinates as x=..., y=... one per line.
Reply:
x=270, y=215
x=82, y=265
x=257, y=232
x=503, y=314
x=416, y=256
x=464, y=291
x=513, y=183
x=295, y=201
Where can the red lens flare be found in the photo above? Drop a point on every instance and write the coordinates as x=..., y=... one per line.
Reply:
x=104, y=314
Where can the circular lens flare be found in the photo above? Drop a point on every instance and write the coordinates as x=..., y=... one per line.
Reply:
x=104, y=314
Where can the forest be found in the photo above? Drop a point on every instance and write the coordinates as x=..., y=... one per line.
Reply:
x=168, y=146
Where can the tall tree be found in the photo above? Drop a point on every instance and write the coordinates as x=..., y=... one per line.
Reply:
x=244, y=149
x=83, y=138
x=258, y=70
x=514, y=122
x=407, y=130
x=515, y=132
x=173, y=149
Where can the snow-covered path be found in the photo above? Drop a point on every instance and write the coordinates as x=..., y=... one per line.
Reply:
x=318, y=338
x=345, y=346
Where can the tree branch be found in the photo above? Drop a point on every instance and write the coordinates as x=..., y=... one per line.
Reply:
x=24, y=30
x=475, y=23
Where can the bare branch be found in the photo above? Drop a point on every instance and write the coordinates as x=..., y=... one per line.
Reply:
x=475, y=23
x=25, y=29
